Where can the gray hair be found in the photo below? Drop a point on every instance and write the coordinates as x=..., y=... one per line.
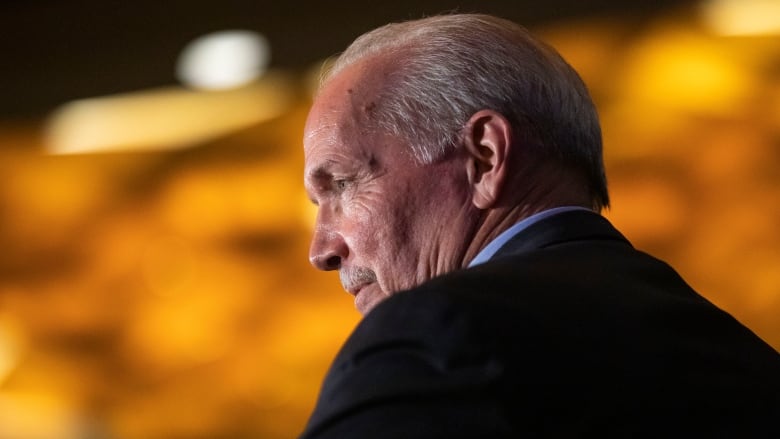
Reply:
x=446, y=68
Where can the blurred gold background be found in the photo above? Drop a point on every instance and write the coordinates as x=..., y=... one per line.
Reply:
x=154, y=280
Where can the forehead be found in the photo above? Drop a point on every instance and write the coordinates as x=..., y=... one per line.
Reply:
x=341, y=114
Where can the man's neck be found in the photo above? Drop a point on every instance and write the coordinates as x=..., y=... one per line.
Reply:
x=536, y=186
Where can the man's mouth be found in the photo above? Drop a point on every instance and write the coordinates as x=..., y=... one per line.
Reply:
x=355, y=279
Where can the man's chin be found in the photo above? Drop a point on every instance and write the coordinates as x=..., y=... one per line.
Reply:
x=367, y=298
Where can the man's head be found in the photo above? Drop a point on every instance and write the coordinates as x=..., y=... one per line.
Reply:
x=430, y=137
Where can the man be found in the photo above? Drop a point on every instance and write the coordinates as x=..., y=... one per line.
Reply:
x=456, y=164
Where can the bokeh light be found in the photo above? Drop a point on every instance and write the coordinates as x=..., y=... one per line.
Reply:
x=223, y=60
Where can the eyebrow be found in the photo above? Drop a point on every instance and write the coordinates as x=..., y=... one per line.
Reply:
x=320, y=172
x=317, y=175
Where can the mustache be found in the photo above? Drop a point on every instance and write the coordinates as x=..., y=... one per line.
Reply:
x=351, y=277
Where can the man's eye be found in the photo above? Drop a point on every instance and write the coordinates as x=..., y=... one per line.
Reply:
x=340, y=184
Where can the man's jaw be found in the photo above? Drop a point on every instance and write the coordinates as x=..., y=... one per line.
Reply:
x=367, y=297
x=361, y=283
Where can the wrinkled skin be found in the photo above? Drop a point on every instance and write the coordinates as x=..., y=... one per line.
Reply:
x=384, y=221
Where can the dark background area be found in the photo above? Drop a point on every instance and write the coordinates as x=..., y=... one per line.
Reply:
x=55, y=51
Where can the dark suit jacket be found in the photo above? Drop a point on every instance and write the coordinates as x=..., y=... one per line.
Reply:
x=567, y=332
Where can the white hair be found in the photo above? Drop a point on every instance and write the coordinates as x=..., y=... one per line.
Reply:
x=446, y=68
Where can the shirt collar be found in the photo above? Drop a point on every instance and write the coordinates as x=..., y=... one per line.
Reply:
x=486, y=253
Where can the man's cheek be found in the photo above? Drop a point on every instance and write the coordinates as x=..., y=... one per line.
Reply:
x=359, y=212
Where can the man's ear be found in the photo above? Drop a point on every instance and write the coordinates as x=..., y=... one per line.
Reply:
x=487, y=138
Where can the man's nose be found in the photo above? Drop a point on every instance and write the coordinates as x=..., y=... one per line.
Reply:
x=327, y=250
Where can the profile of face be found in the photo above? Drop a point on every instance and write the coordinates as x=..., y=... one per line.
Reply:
x=386, y=222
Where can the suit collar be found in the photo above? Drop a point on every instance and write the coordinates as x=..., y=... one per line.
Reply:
x=578, y=225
